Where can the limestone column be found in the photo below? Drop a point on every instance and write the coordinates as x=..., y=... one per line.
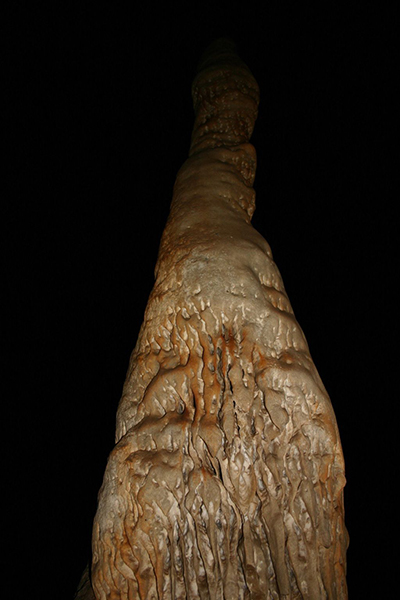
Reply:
x=226, y=479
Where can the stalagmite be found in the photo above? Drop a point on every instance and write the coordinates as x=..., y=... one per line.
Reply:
x=226, y=480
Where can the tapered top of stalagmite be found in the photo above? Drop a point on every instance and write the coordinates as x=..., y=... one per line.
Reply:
x=215, y=184
x=225, y=98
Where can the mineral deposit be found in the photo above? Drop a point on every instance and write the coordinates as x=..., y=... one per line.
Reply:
x=226, y=479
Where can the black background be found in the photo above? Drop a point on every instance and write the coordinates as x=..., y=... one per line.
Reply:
x=98, y=122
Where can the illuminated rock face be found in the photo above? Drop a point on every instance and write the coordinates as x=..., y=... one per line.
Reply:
x=226, y=480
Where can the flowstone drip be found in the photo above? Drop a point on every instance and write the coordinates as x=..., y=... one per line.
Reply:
x=226, y=480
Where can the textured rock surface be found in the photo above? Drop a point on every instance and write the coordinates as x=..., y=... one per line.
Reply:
x=226, y=480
